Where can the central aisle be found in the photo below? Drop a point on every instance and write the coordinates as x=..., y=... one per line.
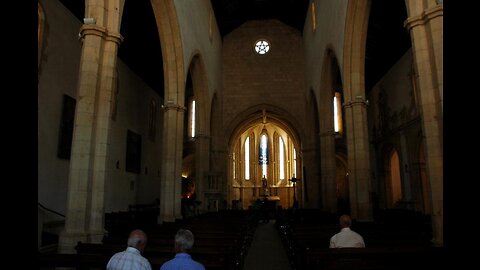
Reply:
x=266, y=250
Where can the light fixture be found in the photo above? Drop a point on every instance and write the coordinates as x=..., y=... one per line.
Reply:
x=89, y=20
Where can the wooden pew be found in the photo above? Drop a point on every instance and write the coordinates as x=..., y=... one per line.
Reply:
x=77, y=261
x=215, y=256
x=399, y=258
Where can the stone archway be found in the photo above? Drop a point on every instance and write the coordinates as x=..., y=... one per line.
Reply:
x=249, y=179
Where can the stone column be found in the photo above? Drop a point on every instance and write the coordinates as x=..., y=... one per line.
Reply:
x=358, y=159
x=426, y=32
x=311, y=180
x=84, y=219
x=171, y=185
x=327, y=165
x=202, y=160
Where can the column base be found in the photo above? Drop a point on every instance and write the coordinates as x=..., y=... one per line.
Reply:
x=68, y=241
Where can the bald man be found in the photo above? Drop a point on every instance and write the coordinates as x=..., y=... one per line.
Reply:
x=131, y=258
x=346, y=238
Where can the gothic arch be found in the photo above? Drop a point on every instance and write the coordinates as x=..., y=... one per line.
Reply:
x=171, y=44
x=251, y=126
x=253, y=116
x=311, y=153
x=200, y=92
x=391, y=176
x=329, y=77
x=202, y=124
x=41, y=33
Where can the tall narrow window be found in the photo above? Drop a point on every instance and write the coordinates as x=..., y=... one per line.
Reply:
x=247, y=158
x=264, y=152
x=234, y=167
x=192, y=119
x=281, y=158
x=337, y=112
x=294, y=162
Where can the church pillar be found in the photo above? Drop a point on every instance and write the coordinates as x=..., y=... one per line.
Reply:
x=84, y=219
x=171, y=184
x=406, y=181
x=426, y=33
x=327, y=165
x=202, y=158
x=311, y=179
x=358, y=159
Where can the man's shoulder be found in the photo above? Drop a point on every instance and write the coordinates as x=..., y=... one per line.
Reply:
x=199, y=265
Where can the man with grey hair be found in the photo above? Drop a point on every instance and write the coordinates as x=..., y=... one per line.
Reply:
x=346, y=238
x=183, y=260
x=131, y=258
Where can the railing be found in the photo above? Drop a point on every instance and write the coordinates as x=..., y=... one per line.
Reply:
x=50, y=210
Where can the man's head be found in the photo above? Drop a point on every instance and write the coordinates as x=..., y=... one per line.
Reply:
x=137, y=239
x=183, y=240
x=345, y=221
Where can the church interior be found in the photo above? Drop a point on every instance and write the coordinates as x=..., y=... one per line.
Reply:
x=166, y=113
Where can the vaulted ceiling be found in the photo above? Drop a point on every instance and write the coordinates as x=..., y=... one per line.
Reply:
x=387, y=39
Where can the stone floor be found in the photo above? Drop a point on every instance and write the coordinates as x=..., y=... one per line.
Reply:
x=266, y=250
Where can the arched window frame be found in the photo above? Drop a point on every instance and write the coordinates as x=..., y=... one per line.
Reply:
x=337, y=113
x=263, y=151
x=191, y=118
x=246, y=158
x=281, y=158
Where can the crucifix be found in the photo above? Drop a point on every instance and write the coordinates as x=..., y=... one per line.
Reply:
x=294, y=180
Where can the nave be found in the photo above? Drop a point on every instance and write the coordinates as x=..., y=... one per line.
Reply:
x=241, y=240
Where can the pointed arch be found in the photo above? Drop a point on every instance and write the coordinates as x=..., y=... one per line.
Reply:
x=328, y=85
x=40, y=33
x=200, y=92
x=269, y=123
x=171, y=44
x=311, y=154
x=395, y=181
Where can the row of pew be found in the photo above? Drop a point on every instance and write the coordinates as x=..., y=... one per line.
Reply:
x=221, y=242
x=306, y=234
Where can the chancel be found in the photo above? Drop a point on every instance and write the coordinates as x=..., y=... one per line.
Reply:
x=159, y=114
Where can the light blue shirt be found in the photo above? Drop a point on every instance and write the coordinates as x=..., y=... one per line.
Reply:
x=130, y=259
x=182, y=261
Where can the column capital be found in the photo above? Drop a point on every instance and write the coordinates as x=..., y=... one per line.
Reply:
x=424, y=18
x=359, y=101
x=93, y=29
x=173, y=106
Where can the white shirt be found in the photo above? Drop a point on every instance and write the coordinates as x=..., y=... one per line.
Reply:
x=130, y=259
x=347, y=238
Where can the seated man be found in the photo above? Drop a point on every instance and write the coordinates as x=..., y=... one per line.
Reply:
x=346, y=238
x=182, y=260
x=131, y=258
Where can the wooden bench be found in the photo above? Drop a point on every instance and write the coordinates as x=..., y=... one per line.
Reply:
x=399, y=258
x=77, y=261
x=214, y=256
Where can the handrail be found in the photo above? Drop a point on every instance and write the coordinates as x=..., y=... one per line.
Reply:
x=50, y=210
